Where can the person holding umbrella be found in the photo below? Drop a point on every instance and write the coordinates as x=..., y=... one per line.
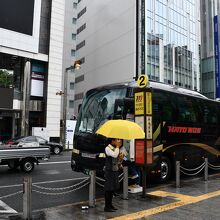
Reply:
x=111, y=172
x=116, y=130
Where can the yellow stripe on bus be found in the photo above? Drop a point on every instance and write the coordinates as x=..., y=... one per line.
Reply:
x=205, y=147
x=158, y=148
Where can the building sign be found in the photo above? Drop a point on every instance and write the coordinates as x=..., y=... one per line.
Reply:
x=217, y=62
x=70, y=128
x=20, y=24
x=37, y=79
x=17, y=15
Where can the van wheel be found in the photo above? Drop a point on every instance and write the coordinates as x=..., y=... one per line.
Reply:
x=56, y=150
x=165, y=167
x=27, y=165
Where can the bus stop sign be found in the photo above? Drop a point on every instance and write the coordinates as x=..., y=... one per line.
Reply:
x=142, y=81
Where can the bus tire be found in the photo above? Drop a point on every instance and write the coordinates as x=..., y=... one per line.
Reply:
x=27, y=165
x=165, y=169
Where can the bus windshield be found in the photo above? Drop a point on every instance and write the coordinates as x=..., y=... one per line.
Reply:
x=97, y=108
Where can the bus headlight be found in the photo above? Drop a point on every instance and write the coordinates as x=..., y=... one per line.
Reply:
x=75, y=151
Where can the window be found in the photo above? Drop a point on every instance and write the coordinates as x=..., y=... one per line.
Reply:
x=73, y=36
x=164, y=105
x=210, y=113
x=74, y=5
x=79, y=96
x=83, y=11
x=73, y=53
x=79, y=79
x=82, y=60
x=71, y=103
x=29, y=139
x=81, y=28
x=80, y=45
x=187, y=109
x=74, y=20
x=98, y=106
x=41, y=140
x=72, y=85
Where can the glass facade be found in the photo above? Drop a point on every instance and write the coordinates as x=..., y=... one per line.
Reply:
x=172, y=42
x=209, y=9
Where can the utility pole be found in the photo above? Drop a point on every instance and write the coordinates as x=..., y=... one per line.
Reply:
x=76, y=66
x=26, y=99
x=65, y=104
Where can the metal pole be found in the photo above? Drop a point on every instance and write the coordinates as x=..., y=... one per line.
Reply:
x=137, y=40
x=27, y=185
x=144, y=180
x=206, y=170
x=144, y=171
x=26, y=99
x=177, y=174
x=92, y=174
x=125, y=182
x=65, y=106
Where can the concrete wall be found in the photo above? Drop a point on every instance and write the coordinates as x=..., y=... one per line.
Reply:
x=55, y=67
x=68, y=59
x=109, y=49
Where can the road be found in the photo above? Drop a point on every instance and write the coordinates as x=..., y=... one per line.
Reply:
x=55, y=173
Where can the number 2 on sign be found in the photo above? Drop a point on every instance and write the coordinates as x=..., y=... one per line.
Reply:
x=142, y=81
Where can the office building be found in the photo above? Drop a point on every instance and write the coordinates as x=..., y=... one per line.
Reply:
x=69, y=55
x=210, y=41
x=106, y=43
x=31, y=51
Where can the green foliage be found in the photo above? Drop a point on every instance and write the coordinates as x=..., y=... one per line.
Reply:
x=6, y=79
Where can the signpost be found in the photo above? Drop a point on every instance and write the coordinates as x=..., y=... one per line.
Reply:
x=143, y=117
x=143, y=97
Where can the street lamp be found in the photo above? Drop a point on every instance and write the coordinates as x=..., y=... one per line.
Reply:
x=75, y=66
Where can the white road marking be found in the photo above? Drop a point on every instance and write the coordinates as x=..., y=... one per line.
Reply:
x=6, y=209
x=46, y=163
x=51, y=172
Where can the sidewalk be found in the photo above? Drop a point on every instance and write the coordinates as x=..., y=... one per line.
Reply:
x=196, y=199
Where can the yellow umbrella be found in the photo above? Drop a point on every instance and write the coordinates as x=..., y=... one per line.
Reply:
x=122, y=129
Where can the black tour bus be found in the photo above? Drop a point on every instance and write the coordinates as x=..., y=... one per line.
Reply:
x=186, y=126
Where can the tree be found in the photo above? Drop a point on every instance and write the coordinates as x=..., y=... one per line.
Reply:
x=6, y=79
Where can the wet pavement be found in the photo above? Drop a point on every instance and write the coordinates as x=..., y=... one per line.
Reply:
x=195, y=200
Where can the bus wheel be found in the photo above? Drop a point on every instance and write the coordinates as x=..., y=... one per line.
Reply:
x=165, y=168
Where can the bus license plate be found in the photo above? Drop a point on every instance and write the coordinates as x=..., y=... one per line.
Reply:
x=93, y=156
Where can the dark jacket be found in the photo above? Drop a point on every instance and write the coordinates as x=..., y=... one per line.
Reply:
x=111, y=173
